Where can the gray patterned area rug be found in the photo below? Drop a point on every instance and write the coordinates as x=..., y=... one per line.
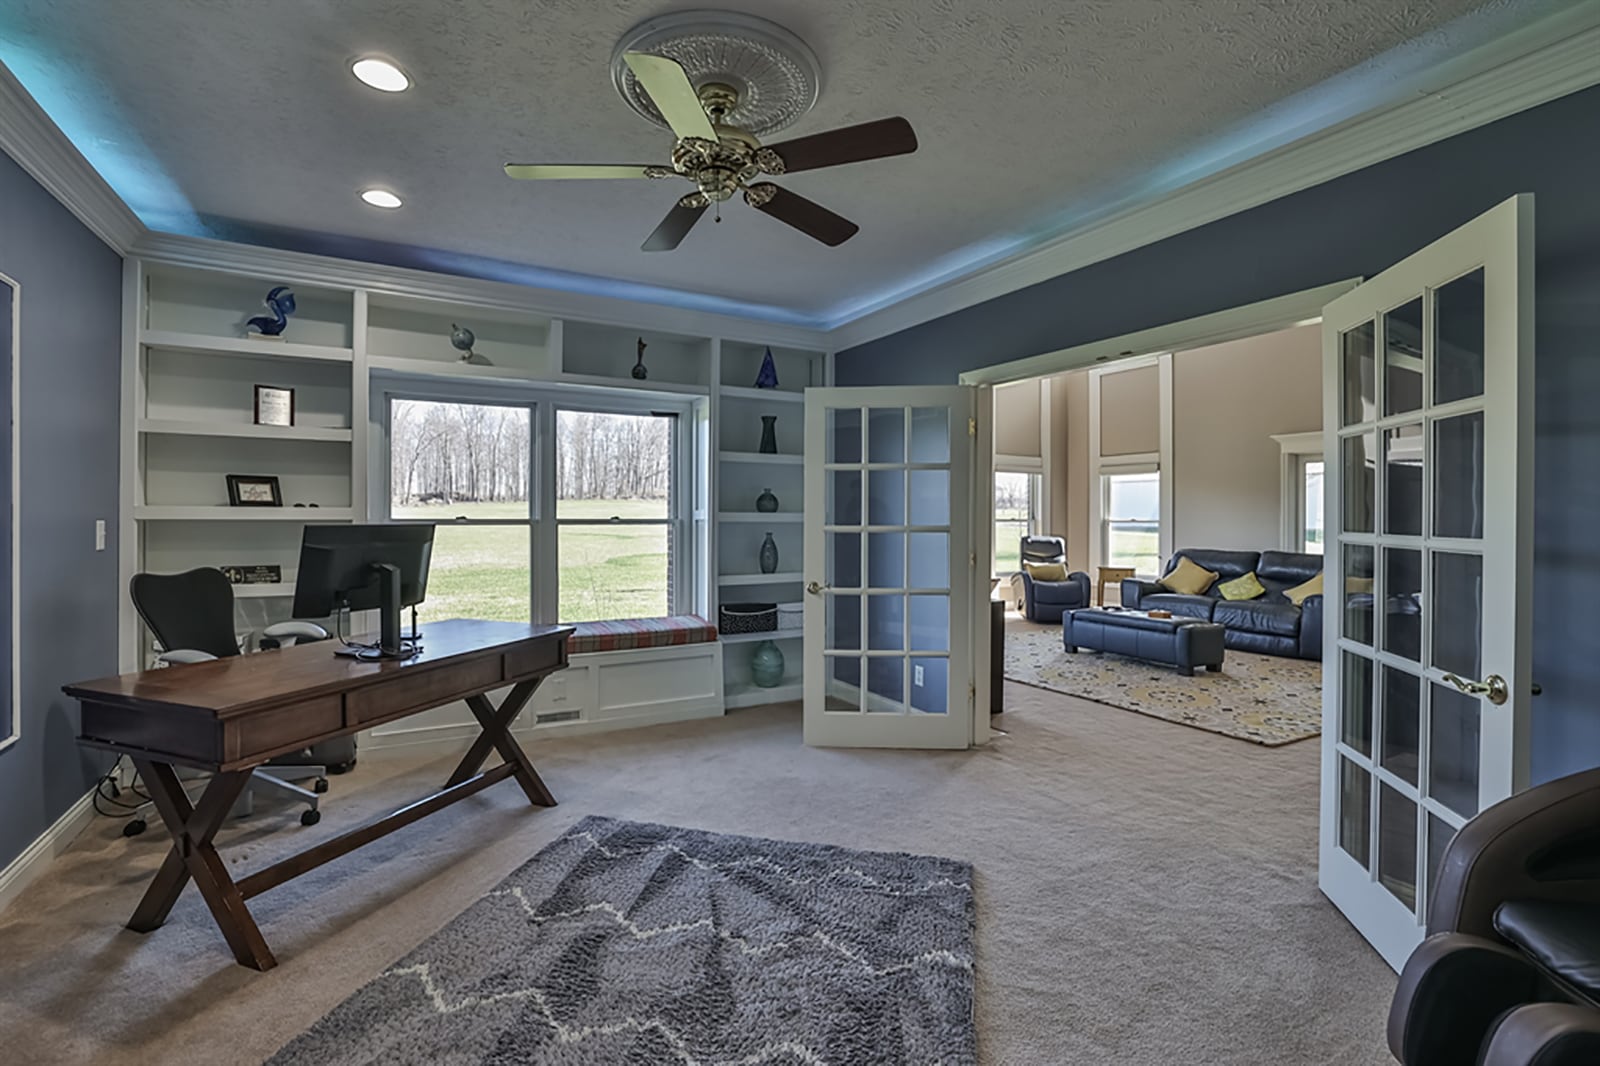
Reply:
x=1265, y=699
x=624, y=943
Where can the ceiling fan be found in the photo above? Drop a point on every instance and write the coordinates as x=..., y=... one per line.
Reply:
x=722, y=159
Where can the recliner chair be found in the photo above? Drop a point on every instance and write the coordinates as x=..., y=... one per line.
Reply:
x=191, y=615
x=1510, y=972
x=1048, y=601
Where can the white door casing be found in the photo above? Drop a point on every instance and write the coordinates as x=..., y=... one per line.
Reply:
x=1428, y=444
x=890, y=574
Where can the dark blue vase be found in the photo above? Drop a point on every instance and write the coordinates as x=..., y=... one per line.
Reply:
x=767, y=377
x=769, y=555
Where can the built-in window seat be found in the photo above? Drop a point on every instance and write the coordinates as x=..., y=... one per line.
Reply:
x=621, y=673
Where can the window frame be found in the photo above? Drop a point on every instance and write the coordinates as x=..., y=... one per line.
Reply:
x=679, y=520
x=1035, y=509
x=1109, y=472
x=543, y=400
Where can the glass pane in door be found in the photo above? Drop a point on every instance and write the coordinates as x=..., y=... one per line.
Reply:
x=1402, y=480
x=1360, y=482
x=1402, y=358
x=1458, y=339
x=1397, y=844
x=1355, y=809
x=1358, y=377
x=1453, y=749
x=1458, y=476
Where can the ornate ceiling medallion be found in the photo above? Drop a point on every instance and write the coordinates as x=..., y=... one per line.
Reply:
x=765, y=76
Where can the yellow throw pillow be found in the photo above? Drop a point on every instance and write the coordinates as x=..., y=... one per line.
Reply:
x=1046, y=571
x=1188, y=578
x=1247, y=587
x=1358, y=584
x=1298, y=594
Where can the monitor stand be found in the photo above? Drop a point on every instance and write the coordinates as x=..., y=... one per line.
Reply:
x=390, y=644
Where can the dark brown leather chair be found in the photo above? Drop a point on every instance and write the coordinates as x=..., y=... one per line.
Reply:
x=1509, y=974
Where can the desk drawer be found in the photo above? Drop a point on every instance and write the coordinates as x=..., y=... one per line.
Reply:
x=538, y=657
x=291, y=728
x=422, y=689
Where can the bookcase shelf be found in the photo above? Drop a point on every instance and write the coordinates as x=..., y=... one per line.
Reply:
x=171, y=341
x=782, y=577
x=243, y=430
x=175, y=513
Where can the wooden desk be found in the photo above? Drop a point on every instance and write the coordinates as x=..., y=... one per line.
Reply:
x=231, y=715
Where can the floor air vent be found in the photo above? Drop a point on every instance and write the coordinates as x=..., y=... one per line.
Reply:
x=557, y=716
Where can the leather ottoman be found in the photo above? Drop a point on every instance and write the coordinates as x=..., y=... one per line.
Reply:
x=1182, y=642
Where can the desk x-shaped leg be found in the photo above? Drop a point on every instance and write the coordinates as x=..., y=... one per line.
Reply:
x=497, y=736
x=192, y=856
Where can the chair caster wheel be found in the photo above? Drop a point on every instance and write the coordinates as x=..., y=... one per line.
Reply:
x=320, y=785
x=134, y=827
x=310, y=817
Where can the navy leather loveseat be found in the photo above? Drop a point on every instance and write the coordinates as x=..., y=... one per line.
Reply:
x=1268, y=624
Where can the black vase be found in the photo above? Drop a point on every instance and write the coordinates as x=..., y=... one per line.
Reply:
x=769, y=435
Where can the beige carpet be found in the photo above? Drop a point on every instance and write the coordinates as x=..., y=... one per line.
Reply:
x=1146, y=894
x=1265, y=699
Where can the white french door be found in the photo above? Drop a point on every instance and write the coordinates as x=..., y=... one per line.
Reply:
x=889, y=567
x=1428, y=424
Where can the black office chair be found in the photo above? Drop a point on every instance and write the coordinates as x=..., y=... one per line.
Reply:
x=191, y=616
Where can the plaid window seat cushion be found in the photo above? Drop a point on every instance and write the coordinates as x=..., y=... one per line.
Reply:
x=626, y=633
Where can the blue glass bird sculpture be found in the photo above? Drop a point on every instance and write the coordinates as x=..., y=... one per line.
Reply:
x=280, y=301
x=767, y=377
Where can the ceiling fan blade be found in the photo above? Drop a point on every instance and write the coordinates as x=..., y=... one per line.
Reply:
x=852, y=144
x=672, y=93
x=809, y=218
x=673, y=229
x=532, y=171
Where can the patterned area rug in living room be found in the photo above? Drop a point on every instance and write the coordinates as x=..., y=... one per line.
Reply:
x=1264, y=699
x=630, y=943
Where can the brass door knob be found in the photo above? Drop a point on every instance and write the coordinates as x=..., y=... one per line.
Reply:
x=1493, y=688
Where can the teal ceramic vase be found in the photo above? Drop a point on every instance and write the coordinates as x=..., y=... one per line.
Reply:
x=769, y=555
x=766, y=503
x=766, y=665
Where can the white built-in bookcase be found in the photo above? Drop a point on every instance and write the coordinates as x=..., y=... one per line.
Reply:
x=188, y=420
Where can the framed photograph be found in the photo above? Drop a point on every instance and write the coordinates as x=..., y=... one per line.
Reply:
x=250, y=490
x=274, y=406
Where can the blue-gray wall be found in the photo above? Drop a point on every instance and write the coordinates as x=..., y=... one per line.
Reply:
x=1358, y=225
x=70, y=360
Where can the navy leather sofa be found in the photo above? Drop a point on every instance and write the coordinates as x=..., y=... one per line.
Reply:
x=1268, y=624
x=1048, y=601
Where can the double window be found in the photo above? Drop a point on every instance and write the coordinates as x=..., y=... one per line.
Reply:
x=545, y=510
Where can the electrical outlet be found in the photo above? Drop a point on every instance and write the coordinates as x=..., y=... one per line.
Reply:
x=916, y=674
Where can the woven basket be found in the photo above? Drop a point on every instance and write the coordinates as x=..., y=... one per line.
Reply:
x=747, y=617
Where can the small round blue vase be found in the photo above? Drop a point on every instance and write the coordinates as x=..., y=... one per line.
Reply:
x=766, y=665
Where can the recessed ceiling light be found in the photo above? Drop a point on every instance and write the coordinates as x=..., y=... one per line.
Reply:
x=381, y=74
x=380, y=198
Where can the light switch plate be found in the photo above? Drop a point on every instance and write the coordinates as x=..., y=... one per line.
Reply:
x=99, y=534
x=916, y=674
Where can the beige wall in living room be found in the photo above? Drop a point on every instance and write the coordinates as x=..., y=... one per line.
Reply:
x=1228, y=401
x=1069, y=447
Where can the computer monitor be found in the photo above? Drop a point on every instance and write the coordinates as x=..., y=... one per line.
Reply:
x=364, y=568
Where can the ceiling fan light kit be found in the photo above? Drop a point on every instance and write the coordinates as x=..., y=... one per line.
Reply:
x=719, y=81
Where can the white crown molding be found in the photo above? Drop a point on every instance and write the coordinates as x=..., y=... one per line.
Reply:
x=1551, y=59
x=28, y=136
x=338, y=273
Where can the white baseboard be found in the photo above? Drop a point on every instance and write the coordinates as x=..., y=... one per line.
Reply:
x=37, y=857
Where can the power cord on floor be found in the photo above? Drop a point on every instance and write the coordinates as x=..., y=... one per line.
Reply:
x=114, y=796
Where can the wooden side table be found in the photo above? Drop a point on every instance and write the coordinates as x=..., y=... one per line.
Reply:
x=1108, y=575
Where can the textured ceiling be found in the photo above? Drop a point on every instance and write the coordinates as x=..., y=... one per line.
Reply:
x=239, y=117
